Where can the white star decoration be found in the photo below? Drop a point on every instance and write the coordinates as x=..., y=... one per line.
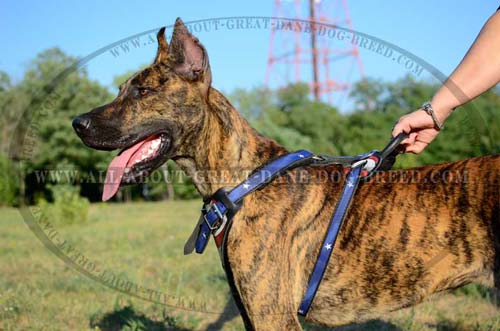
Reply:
x=328, y=247
x=301, y=311
x=246, y=186
x=204, y=235
x=350, y=184
x=301, y=156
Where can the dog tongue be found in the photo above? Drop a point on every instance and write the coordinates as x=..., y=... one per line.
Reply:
x=116, y=169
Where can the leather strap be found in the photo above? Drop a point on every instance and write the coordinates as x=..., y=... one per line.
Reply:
x=326, y=250
x=219, y=207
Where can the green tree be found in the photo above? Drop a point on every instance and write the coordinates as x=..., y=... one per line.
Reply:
x=46, y=102
x=367, y=94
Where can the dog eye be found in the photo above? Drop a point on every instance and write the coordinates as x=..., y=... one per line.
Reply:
x=143, y=91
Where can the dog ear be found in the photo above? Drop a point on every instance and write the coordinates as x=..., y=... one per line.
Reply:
x=188, y=57
x=162, y=52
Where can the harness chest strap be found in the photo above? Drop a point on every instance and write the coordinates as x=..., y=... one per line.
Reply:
x=332, y=233
x=218, y=213
x=225, y=203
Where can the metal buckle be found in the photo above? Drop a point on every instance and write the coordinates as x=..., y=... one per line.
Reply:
x=220, y=217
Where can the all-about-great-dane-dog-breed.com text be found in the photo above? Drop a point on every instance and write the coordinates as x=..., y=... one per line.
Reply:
x=400, y=242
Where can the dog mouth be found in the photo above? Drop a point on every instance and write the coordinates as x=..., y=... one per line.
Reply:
x=135, y=163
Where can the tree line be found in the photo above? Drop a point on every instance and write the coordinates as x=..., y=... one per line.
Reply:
x=288, y=115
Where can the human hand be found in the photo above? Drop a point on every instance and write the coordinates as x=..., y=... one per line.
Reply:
x=420, y=129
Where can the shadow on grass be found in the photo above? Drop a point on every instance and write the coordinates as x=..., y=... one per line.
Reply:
x=449, y=325
x=127, y=319
x=229, y=313
x=372, y=325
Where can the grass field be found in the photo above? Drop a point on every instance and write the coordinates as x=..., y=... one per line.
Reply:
x=140, y=245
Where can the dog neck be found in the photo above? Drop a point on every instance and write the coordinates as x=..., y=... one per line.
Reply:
x=227, y=149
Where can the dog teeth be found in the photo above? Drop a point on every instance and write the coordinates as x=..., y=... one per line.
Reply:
x=155, y=143
x=149, y=151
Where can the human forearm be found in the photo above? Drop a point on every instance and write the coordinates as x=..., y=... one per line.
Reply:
x=478, y=71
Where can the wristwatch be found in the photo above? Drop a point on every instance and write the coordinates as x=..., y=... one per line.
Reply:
x=427, y=107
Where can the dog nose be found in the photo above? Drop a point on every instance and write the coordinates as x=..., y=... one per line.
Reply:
x=81, y=123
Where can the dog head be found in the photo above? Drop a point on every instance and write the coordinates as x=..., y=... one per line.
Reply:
x=156, y=110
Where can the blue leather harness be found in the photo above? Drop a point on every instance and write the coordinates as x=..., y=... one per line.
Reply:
x=223, y=205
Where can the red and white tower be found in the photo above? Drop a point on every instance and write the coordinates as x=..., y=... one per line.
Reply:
x=325, y=64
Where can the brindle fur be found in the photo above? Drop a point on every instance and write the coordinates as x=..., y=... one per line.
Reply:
x=400, y=243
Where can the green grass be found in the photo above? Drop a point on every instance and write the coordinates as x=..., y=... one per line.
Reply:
x=142, y=243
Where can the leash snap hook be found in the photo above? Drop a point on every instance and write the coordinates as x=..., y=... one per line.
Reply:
x=368, y=164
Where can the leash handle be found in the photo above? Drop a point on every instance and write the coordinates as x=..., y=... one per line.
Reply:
x=393, y=144
x=391, y=151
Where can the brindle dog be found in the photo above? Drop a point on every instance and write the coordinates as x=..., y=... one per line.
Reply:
x=401, y=242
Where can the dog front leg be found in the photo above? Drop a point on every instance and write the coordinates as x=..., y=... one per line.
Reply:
x=260, y=316
x=263, y=311
x=277, y=321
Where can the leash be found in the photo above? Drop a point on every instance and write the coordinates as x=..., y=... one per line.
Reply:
x=219, y=210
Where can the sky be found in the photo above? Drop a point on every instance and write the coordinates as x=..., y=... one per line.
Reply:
x=438, y=32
